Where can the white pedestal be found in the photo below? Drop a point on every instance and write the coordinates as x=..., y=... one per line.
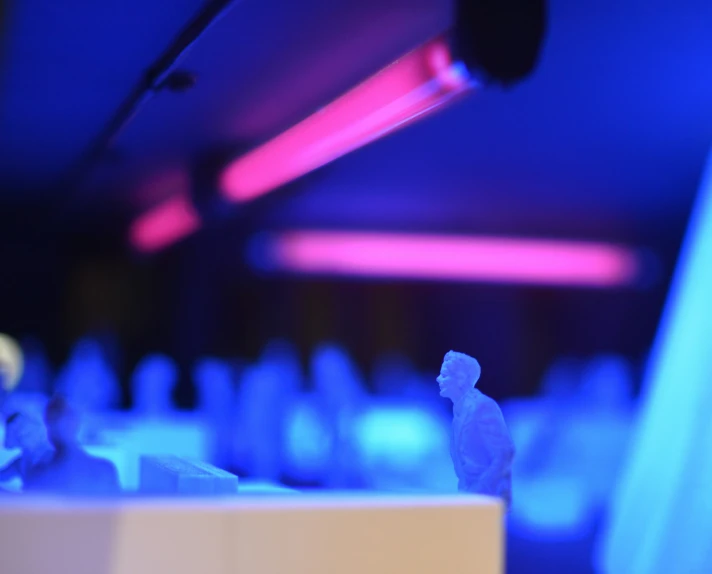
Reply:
x=172, y=475
x=123, y=438
x=303, y=534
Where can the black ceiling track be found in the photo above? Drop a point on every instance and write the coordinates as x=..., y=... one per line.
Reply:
x=158, y=76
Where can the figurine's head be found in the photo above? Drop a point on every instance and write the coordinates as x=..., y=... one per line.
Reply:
x=334, y=373
x=62, y=422
x=458, y=374
x=23, y=431
x=152, y=383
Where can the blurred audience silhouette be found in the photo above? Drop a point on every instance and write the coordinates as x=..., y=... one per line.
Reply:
x=326, y=426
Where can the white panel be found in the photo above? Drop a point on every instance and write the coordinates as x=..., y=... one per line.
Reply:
x=661, y=517
x=370, y=535
x=285, y=534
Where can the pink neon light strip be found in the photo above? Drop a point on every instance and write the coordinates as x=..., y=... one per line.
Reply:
x=165, y=224
x=415, y=85
x=486, y=259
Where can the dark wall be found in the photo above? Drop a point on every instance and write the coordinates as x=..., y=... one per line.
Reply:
x=198, y=298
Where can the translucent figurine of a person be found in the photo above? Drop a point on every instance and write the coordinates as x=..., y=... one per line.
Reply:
x=482, y=449
x=28, y=434
x=71, y=469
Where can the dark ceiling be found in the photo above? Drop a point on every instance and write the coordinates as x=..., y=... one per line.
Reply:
x=606, y=140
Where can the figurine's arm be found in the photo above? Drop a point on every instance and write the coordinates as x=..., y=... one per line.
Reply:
x=488, y=428
x=495, y=432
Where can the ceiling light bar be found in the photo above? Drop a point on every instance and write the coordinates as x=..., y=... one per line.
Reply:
x=413, y=86
x=165, y=224
x=450, y=258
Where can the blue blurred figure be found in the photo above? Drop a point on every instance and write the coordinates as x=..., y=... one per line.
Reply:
x=307, y=441
x=550, y=501
x=570, y=441
x=341, y=397
x=482, y=449
x=605, y=421
x=402, y=437
x=32, y=391
x=404, y=447
x=71, y=470
x=259, y=421
x=88, y=380
x=391, y=373
x=213, y=379
x=394, y=375
x=37, y=373
x=538, y=423
x=28, y=434
x=152, y=385
x=283, y=356
x=267, y=399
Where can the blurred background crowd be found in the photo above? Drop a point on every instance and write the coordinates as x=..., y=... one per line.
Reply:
x=327, y=423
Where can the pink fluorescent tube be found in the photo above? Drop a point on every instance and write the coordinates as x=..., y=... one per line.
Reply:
x=164, y=225
x=453, y=258
x=413, y=86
